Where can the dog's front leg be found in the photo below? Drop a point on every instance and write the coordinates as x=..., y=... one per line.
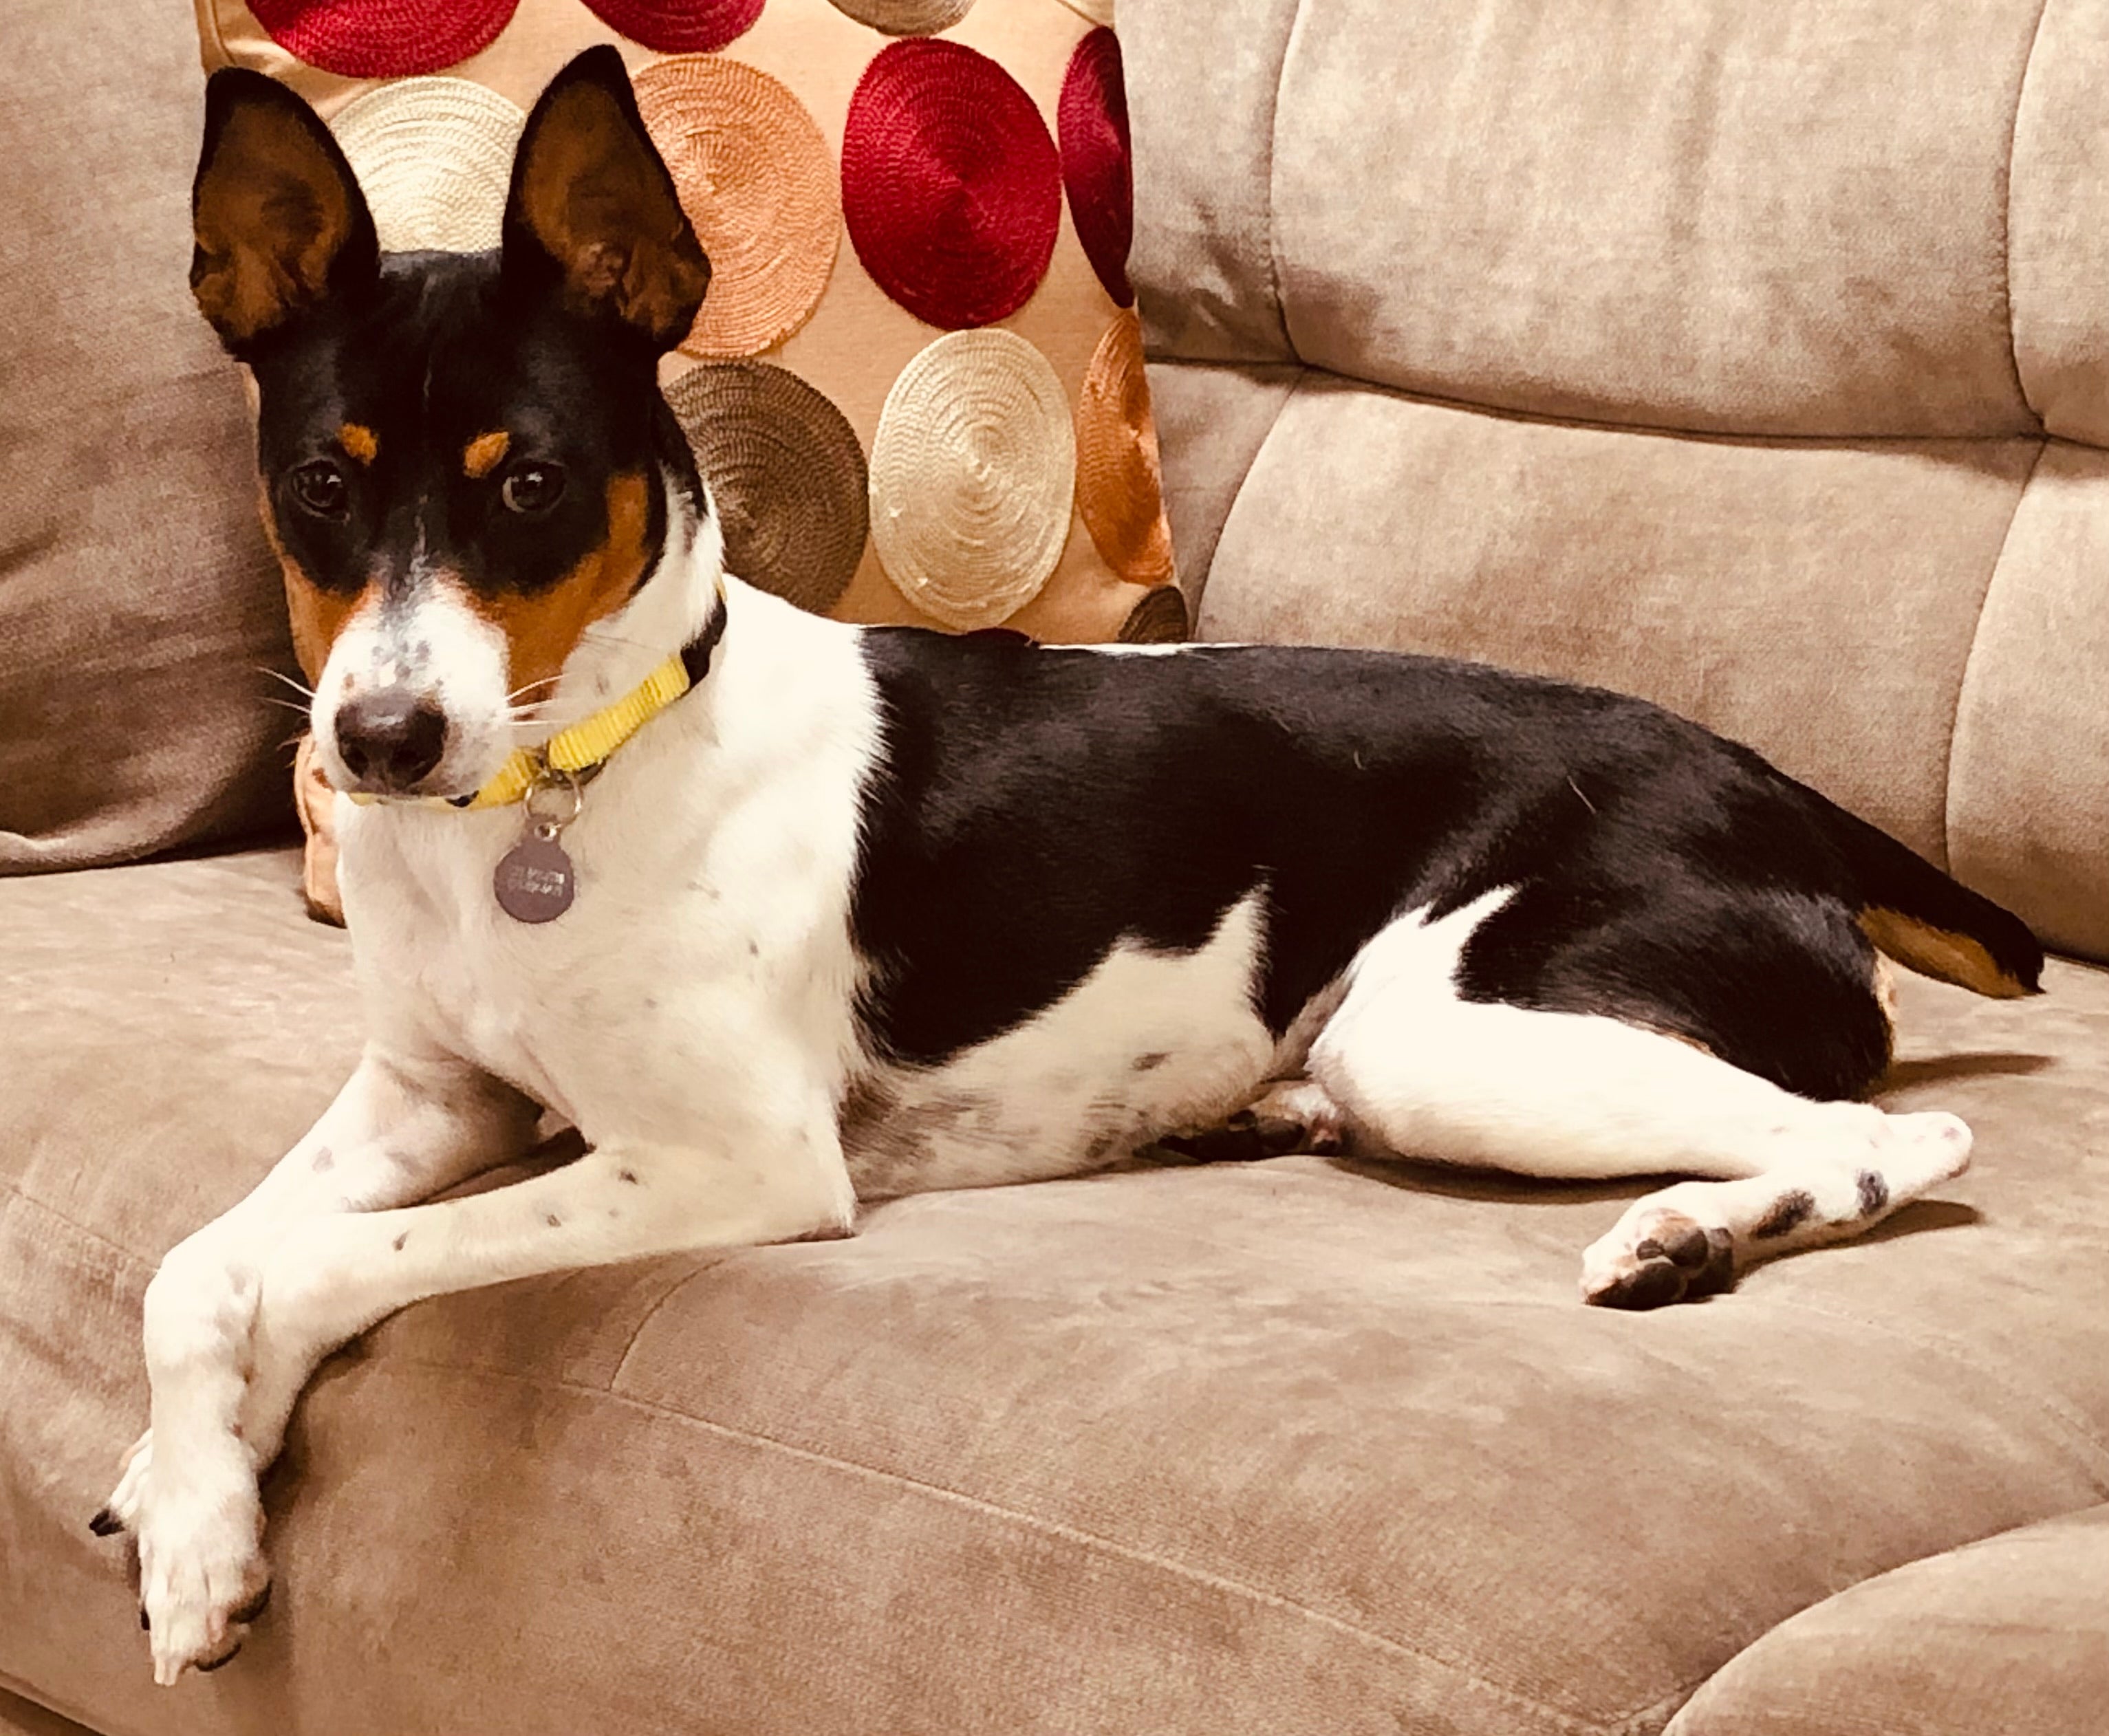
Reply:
x=321, y=1280
x=404, y=1126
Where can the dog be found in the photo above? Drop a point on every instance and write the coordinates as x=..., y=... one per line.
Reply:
x=782, y=914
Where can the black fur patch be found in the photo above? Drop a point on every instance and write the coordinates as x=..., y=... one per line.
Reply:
x=439, y=349
x=1035, y=806
x=1874, y=1192
x=1790, y=1211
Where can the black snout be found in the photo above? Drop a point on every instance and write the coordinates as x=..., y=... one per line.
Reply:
x=391, y=737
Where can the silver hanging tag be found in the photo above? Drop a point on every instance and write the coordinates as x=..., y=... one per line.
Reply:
x=534, y=881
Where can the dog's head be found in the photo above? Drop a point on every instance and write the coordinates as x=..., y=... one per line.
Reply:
x=461, y=455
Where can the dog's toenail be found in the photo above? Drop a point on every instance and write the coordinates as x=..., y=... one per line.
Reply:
x=226, y=1658
x=146, y=1624
x=106, y=1523
x=255, y=1606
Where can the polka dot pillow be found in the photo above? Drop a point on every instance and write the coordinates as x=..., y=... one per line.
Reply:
x=916, y=384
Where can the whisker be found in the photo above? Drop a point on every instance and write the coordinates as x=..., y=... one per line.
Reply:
x=306, y=692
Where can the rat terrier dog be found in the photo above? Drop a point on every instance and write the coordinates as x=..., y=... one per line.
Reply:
x=781, y=913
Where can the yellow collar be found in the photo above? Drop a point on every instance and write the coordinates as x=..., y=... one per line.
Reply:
x=587, y=745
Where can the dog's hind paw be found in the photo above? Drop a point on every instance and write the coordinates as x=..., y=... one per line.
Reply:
x=1662, y=1257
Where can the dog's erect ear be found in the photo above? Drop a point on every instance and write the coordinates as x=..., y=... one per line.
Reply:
x=279, y=219
x=592, y=203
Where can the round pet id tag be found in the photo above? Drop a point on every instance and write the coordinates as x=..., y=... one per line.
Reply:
x=534, y=881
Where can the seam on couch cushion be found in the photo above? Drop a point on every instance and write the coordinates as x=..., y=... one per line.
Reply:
x=1196, y=587
x=1273, y=165
x=1970, y=659
x=1304, y=375
x=1083, y=1540
x=2006, y=210
x=1665, y=431
x=129, y=1255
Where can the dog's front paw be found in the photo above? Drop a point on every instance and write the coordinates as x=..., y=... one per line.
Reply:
x=202, y=1574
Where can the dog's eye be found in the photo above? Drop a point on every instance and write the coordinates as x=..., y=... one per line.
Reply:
x=532, y=488
x=319, y=487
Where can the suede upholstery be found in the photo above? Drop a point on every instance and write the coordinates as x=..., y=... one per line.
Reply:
x=139, y=608
x=1295, y=1445
x=1710, y=351
x=1822, y=278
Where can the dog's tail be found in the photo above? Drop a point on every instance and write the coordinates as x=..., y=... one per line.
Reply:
x=1922, y=918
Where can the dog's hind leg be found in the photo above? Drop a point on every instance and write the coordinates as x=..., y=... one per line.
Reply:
x=1428, y=1075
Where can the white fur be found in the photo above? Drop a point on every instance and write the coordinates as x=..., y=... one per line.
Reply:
x=694, y=1015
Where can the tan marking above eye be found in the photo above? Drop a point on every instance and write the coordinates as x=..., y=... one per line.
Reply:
x=481, y=456
x=360, y=441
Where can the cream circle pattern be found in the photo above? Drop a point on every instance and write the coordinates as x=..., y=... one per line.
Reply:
x=973, y=476
x=434, y=157
x=382, y=38
x=906, y=17
x=951, y=186
x=680, y=26
x=786, y=474
x=756, y=180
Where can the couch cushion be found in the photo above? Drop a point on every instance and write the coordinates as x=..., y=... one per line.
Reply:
x=1743, y=216
x=1816, y=290
x=1290, y=1446
x=138, y=605
x=2011, y=1634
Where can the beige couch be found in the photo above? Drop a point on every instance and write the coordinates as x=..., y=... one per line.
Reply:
x=1753, y=354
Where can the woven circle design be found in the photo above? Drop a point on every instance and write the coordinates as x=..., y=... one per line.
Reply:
x=906, y=17
x=680, y=26
x=972, y=473
x=1119, y=490
x=382, y=38
x=756, y=180
x=786, y=473
x=951, y=184
x=1091, y=120
x=434, y=157
x=1159, y=619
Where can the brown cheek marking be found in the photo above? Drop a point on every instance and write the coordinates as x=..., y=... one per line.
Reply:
x=542, y=631
x=317, y=615
x=360, y=440
x=482, y=454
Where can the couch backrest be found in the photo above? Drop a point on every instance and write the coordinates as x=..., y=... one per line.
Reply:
x=139, y=606
x=1750, y=354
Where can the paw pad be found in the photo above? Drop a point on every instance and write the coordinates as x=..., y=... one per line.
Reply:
x=1677, y=1261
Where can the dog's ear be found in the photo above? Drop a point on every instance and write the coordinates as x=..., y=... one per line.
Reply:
x=279, y=220
x=592, y=207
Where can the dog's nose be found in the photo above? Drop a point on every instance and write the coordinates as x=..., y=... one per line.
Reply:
x=390, y=737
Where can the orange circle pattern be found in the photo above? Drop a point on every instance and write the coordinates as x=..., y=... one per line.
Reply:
x=1120, y=493
x=758, y=183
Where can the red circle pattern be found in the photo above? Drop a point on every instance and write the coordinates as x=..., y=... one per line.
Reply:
x=951, y=188
x=383, y=38
x=680, y=26
x=1092, y=120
